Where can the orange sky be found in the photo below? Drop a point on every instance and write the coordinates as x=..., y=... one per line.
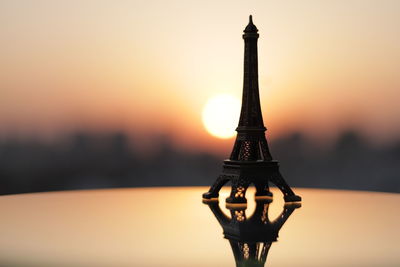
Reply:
x=150, y=66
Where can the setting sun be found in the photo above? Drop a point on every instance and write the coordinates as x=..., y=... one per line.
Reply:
x=220, y=115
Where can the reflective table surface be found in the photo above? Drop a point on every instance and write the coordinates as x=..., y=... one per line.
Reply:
x=172, y=227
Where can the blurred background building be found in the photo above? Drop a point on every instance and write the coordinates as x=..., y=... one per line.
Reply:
x=84, y=160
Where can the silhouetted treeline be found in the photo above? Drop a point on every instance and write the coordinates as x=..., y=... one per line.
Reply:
x=85, y=160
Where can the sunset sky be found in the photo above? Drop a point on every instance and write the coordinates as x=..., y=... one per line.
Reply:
x=149, y=67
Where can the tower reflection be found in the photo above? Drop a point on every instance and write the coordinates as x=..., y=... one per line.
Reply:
x=251, y=236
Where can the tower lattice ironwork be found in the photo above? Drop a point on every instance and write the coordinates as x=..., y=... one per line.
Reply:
x=250, y=160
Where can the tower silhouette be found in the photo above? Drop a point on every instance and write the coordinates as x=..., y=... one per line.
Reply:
x=251, y=237
x=250, y=160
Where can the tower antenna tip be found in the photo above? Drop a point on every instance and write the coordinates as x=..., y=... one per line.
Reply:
x=250, y=19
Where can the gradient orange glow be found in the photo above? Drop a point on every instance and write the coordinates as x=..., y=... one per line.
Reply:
x=149, y=67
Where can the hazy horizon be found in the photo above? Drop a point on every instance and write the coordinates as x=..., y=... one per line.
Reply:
x=104, y=160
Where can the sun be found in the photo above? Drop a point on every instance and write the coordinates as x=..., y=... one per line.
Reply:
x=221, y=114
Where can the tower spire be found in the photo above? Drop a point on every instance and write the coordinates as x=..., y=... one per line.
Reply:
x=251, y=27
x=250, y=115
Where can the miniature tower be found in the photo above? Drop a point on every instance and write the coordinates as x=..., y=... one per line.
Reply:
x=251, y=237
x=250, y=160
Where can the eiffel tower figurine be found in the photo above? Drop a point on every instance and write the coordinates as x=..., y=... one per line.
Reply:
x=250, y=160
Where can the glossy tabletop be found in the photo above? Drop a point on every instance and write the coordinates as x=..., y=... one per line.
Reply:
x=172, y=227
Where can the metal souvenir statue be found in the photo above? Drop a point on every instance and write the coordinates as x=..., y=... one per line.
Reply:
x=250, y=160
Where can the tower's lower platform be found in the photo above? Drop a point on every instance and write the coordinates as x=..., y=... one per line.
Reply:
x=243, y=173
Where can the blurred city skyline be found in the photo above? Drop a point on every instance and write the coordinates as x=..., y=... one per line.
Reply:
x=147, y=68
x=92, y=160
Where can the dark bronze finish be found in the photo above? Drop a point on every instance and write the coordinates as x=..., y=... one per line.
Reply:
x=250, y=160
